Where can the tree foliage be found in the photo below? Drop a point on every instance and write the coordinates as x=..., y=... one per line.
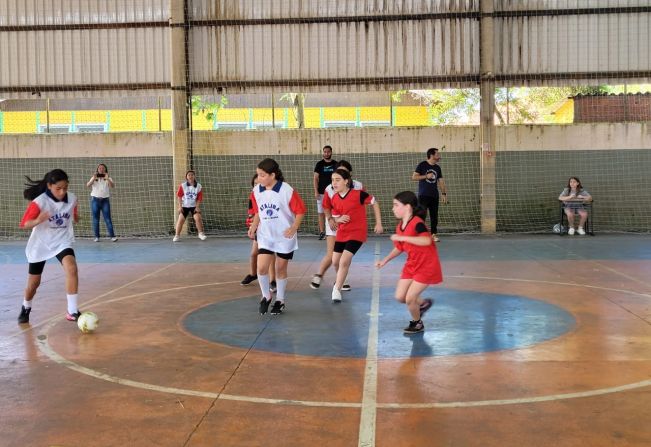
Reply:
x=201, y=106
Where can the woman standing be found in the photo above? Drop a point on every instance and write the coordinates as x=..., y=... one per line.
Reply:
x=100, y=184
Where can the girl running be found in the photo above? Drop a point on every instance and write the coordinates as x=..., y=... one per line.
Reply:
x=348, y=211
x=190, y=195
x=279, y=211
x=331, y=232
x=422, y=267
x=50, y=216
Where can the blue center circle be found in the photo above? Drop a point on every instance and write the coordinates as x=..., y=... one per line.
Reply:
x=460, y=322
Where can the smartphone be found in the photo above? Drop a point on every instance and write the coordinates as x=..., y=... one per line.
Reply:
x=100, y=175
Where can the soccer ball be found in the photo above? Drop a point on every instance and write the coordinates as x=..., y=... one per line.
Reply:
x=87, y=322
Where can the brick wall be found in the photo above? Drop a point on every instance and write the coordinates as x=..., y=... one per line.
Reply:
x=612, y=108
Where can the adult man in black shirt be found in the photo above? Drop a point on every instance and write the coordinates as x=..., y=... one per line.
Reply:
x=322, y=178
x=430, y=178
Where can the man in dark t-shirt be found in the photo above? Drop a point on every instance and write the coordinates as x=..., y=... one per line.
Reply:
x=322, y=178
x=430, y=179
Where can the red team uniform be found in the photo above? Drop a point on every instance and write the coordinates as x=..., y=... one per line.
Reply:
x=422, y=263
x=352, y=204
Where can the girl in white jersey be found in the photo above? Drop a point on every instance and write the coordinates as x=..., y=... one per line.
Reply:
x=278, y=213
x=50, y=216
x=190, y=196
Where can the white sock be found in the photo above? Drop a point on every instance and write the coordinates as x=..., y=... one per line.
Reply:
x=282, y=285
x=72, y=303
x=263, y=281
x=27, y=304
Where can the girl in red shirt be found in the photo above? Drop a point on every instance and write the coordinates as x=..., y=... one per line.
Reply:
x=422, y=267
x=349, y=207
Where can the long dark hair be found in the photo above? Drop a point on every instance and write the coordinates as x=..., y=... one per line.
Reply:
x=270, y=166
x=37, y=187
x=409, y=198
x=345, y=164
x=579, y=187
x=101, y=164
x=346, y=175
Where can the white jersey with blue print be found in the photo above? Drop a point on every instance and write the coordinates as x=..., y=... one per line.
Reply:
x=190, y=193
x=331, y=192
x=276, y=216
x=51, y=237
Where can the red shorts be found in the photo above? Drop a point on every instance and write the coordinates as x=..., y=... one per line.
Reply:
x=425, y=271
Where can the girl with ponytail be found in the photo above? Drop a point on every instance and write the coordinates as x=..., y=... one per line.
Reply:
x=422, y=267
x=50, y=216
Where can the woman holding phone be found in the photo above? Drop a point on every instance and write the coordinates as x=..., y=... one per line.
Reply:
x=100, y=184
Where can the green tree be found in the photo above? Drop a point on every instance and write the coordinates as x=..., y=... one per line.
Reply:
x=200, y=106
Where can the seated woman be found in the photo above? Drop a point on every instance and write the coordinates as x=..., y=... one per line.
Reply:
x=574, y=198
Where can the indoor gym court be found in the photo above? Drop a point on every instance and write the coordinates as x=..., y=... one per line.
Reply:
x=526, y=331
x=534, y=339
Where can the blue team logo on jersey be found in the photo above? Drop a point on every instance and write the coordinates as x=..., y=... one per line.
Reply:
x=59, y=220
x=270, y=210
x=191, y=195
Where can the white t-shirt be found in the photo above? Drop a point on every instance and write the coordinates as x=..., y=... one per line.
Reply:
x=51, y=237
x=100, y=188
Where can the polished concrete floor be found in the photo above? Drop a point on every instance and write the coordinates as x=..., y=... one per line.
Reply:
x=532, y=341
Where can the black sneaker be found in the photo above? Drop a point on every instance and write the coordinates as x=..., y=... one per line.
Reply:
x=277, y=308
x=414, y=327
x=24, y=315
x=248, y=279
x=346, y=287
x=425, y=306
x=321, y=236
x=264, y=305
x=273, y=287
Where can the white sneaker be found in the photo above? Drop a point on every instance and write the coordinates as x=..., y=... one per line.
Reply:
x=346, y=287
x=96, y=239
x=580, y=231
x=202, y=236
x=114, y=239
x=336, y=295
x=436, y=238
x=316, y=281
x=570, y=231
x=176, y=239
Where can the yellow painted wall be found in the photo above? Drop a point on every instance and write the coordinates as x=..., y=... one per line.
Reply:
x=148, y=120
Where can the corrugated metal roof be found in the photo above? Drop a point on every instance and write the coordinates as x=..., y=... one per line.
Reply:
x=72, y=12
x=318, y=56
x=83, y=58
x=532, y=5
x=281, y=9
x=573, y=45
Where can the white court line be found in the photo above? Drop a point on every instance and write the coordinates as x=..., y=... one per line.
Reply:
x=57, y=358
x=556, y=283
x=91, y=301
x=369, y=397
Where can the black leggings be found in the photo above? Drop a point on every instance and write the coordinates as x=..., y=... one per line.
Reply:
x=431, y=204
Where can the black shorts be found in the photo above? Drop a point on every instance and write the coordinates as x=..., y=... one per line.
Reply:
x=190, y=210
x=288, y=256
x=351, y=246
x=36, y=268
